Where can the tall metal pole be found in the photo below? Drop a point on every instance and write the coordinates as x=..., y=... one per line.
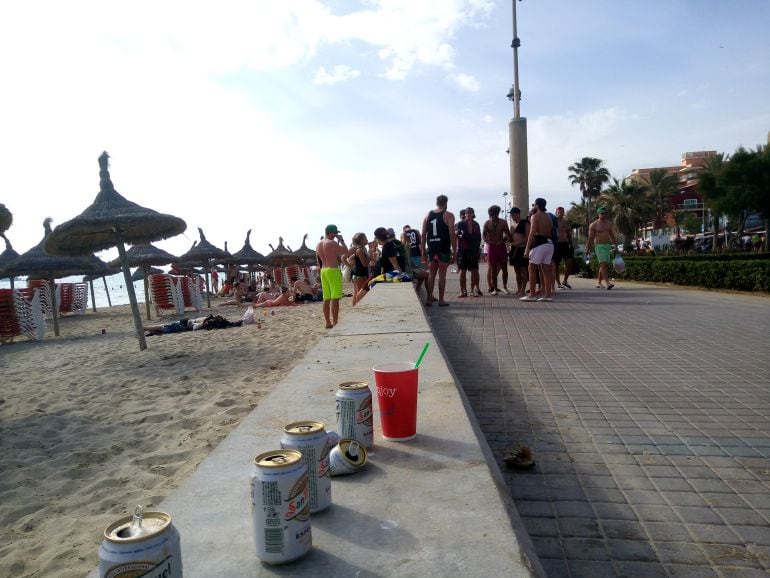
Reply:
x=517, y=132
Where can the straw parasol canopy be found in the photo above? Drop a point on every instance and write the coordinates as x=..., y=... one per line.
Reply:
x=247, y=255
x=142, y=257
x=305, y=253
x=201, y=254
x=140, y=274
x=112, y=221
x=38, y=264
x=6, y=258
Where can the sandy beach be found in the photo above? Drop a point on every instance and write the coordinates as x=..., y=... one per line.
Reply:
x=90, y=426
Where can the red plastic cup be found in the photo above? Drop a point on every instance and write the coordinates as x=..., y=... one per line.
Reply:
x=397, y=396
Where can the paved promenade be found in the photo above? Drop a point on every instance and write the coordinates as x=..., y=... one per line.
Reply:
x=648, y=409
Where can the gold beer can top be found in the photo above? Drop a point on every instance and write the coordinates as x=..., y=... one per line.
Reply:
x=140, y=526
x=277, y=458
x=354, y=385
x=304, y=427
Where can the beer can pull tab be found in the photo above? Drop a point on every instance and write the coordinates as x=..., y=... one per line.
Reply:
x=353, y=450
x=136, y=524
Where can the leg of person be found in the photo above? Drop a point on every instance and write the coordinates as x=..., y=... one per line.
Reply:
x=489, y=275
x=475, y=289
x=335, y=311
x=463, y=283
x=442, y=269
x=567, y=271
x=326, y=288
x=532, y=267
x=504, y=268
x=431, y=281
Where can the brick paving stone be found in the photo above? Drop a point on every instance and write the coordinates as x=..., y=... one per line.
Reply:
x=679, y=428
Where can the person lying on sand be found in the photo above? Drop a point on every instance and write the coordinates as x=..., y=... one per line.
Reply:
x=209, y=322
x=303, y=291
x=283, y=300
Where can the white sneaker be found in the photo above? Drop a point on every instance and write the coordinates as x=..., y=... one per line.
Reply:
x=494, y=292
x=528, y=298
x=504, y=290
x=545, y=299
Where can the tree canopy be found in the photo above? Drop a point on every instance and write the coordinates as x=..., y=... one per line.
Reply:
x=589, y=174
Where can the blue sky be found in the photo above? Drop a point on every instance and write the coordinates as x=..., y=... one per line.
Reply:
x=284, y=115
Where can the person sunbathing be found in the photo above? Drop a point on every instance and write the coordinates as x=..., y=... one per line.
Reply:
x=303, y=291
x=238, y=295
x=283, y=300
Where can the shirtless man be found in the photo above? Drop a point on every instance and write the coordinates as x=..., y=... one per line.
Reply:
x=303, y=291
x=495, y=234
x=329, y=251
x=539, y=250
x=564, y=251
x=601, y=237
x=439, y=244
x=520, y=263
x=469, y=247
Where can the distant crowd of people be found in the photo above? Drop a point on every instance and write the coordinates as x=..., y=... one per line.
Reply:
x=535, y=244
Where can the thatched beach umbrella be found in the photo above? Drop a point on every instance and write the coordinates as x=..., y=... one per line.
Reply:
x=143, y=256
x=139, y=274
x=112, y=221
x=305, y=253
x=38, y=264
x=6, y=258
x=203, y=253
x=247, y=255
x=281, y=255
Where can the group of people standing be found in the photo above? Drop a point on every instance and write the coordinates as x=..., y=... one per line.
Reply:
x=535, y=245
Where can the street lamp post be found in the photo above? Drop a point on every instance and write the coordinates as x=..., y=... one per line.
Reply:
x=505, y=204
x=517, y=131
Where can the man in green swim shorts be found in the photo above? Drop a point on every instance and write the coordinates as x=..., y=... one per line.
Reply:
x=328, y=252
x=601, y=237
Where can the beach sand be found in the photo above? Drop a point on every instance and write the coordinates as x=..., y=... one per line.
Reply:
x=90, y=426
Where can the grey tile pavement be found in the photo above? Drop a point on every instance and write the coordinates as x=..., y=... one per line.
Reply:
x=648, y=409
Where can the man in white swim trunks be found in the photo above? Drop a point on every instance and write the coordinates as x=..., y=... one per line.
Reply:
x=539, y=250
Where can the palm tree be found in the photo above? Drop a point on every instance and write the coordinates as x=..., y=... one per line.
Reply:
x=712, y=190
x=6, y=220
x=576, y=216
x=628, y=203
x=662, y=185
x=590, y=175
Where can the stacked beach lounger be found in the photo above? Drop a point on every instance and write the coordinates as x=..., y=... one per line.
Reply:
x=21, y=314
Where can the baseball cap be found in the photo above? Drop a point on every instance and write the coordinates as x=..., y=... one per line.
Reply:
x=332, y=229
x=381, y=233
x=540, y=202
x=601, y=210
x=391, y=232
x=515, y=210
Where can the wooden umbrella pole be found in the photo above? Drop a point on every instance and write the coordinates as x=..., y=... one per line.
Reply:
x=107, y=291
x=208, y=292
x=93, y=298
x=146, y=289
x=131, y=293
x=54, y=307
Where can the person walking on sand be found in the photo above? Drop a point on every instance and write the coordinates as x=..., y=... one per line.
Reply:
x=439, y=243
x=602, y=238
x=496, y=233
x=539, y=251
x=564, y=251
x=329, y=251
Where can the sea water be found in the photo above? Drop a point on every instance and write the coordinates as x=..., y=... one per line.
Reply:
x=116, y=285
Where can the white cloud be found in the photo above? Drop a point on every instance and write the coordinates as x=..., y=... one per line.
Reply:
x=465, y=81
x=339, y=73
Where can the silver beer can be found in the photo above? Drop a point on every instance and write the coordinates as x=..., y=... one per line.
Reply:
x=347, y=457
x=145, y=544
x=309, y=438
x=354, y=412
x=280, y=506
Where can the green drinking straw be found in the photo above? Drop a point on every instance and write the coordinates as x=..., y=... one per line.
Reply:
x=422, y=354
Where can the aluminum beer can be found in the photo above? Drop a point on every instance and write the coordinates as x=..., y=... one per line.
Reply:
x=280, y=506
x=347, y=457
x=309, y=438
x=354, y=412
x=145, y=544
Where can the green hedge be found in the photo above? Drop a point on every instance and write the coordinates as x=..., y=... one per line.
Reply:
x=744, y=273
